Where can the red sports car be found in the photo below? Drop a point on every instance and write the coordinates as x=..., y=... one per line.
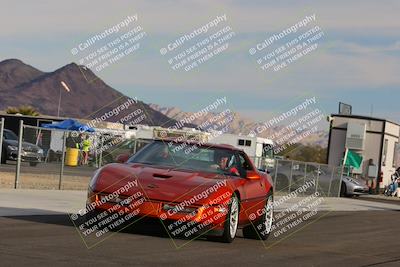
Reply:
x=194, y=188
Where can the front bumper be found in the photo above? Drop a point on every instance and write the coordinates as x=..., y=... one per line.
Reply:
x=178, y=222
x=26, y=156
x=358, y=190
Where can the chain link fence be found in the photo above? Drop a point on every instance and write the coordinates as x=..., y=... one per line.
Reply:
x=289, y=176
x=43, y=158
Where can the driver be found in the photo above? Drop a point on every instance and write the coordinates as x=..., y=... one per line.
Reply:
x=224, y=162
x=163, y=154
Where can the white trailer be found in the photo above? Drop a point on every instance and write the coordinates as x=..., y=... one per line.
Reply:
x=156, y=132
x=259, y=149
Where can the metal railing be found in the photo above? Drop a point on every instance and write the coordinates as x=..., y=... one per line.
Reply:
x=59, y=159
x=54, y=159
x=290, y=175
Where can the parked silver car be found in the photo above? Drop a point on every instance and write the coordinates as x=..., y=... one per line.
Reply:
x=353, y=187
x=30, y=152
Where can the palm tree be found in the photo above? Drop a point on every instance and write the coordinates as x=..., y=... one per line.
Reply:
x=23, y=110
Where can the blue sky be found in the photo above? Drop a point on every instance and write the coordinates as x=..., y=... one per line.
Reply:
x=357, y=60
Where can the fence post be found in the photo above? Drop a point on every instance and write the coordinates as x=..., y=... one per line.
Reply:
x=101, y=150
x=330, y=182
x=316, y=183
x=305, y=173
x=341, y=180
x=291, y=175
x=276, y=174
x=62, y=162
x=17, y=172
x=1, y=137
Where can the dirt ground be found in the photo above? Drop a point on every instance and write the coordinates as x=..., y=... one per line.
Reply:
x=44, y=181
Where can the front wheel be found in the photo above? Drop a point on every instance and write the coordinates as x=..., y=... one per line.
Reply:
x=262, y=227
x=231, y=222
x=343, y=190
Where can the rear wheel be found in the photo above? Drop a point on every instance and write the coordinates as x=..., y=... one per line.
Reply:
x=262, y=227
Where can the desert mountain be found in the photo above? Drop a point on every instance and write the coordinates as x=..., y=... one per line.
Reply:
x=89, y=96
x=14, y=72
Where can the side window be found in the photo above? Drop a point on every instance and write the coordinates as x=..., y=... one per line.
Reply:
x=385, y=150
x=395, y=154
x=243, y=142
x=244, y=165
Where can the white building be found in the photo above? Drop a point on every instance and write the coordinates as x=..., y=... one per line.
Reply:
x=370, y=137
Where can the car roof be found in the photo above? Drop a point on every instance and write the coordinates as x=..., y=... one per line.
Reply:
x=202, y=144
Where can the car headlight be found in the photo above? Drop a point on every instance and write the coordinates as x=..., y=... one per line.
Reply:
x=12, y=147
x=40, y=151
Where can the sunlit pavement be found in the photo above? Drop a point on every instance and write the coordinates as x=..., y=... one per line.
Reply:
x=35, y=230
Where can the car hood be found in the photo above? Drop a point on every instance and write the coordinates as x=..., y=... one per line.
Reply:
x=25, y=145
x=163, y=184
x=356, y=181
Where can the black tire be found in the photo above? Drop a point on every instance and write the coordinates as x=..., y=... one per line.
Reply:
x=343, y=190
x=33, y=164
x=258, y=229
x=227, y=237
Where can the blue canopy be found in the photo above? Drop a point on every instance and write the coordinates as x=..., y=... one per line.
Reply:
x=69, y=124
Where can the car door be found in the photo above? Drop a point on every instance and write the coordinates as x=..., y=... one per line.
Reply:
x=254, y=192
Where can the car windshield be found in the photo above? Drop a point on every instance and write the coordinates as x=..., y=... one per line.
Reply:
x=8, y=135
x=189, y=157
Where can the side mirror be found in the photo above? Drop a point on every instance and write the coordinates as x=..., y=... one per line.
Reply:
x=252, y=175
x=122, y=158
x=264, y=170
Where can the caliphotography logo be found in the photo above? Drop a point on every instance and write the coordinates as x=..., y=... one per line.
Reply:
x=193, y=133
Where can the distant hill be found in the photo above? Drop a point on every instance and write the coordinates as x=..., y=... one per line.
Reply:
x=89, y=98
x=14, y=72
x=242, y=125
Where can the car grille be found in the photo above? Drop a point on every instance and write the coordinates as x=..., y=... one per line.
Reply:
x=29, y=149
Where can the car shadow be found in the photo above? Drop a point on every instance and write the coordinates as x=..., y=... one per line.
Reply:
x=141, y=226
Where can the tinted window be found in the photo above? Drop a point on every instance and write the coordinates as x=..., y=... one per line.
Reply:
x=187, y=156
x=10, y=135
x=244, y=165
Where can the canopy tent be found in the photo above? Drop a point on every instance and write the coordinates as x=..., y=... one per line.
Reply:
x=70, y=124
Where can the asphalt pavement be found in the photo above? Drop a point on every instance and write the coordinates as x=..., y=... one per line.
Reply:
x=46, y=236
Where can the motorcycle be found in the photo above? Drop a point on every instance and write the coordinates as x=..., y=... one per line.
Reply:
x=391, y=189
